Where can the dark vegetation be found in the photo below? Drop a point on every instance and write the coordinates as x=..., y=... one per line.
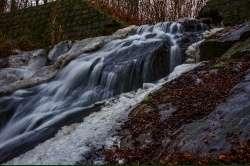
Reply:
x=45, y=25
x=230, y=12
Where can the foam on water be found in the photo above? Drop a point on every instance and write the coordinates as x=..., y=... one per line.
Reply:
x=33, y=115
x=97, y=130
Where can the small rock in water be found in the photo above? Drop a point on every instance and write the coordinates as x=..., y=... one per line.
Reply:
x=99, y=162
x=147, y=85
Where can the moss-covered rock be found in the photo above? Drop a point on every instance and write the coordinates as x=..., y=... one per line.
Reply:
x=213, y=49
x=240, y=49
x=228, y=12
x=233, y=39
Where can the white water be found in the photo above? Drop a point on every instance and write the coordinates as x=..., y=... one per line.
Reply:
x=98, y=129
x=33, y=115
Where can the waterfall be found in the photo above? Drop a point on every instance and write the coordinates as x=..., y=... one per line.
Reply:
x=30, y=116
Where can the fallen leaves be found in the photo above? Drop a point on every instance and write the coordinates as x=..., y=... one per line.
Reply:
x=147, y=138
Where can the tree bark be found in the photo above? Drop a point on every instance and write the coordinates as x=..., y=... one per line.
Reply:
x=13, y=5
x=3, y=5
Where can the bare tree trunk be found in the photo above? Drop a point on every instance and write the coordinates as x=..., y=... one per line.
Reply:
x=13, y=5
x=3, y=5
x=37, y=2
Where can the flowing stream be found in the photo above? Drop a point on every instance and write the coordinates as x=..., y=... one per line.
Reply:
x=31, y=116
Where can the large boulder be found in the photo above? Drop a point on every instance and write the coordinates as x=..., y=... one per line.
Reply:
x=221, y=42
x=225, y=131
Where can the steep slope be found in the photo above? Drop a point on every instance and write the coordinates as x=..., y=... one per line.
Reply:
x=202, y=117
x=45, y=25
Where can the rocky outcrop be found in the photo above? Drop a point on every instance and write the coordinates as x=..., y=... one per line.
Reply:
x=200, y=117
x=221, y=42
x=225, y=132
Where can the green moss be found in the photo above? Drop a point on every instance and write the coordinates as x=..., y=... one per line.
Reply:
x=219, y=65
x=147, y=99
x=212, y=49
x=238, y=50
x=230, y=12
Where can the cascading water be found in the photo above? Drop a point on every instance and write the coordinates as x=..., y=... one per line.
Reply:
x=30, y=116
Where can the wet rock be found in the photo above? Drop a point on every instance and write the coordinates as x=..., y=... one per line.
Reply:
x=239, y=50
x=203, y=115
x=193, y=52
x=22, y=66
x=209, y=33
x=10, y=75
x=37, y=60
x=34, y=62
x=193, y=25
x=125, y=31
x=219, y=43
x=3, y=62
x=236, y=33
x=85, y=46
x=59, y=49
x=213, y=134
x=21, y=59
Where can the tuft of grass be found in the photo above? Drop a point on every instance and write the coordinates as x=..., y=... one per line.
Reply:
x=219, y=65
x=238, y=50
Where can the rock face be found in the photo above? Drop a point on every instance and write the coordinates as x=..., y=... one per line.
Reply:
x=225, y=131
x=201, y=116
x=220, y=43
